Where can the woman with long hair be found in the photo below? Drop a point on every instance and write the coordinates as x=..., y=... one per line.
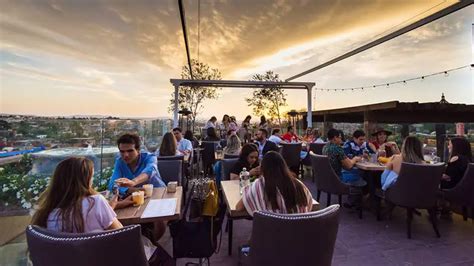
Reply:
x=248, y=159
x=211, y=135
x=411, y=153
x=277, y=190
x=308, y=135
x=233, y=146
x=190, y=136
x=70, y=204
x=233, y=124
x=263, y=123
x=168, y=146
x=224, y=126
x=460, y=155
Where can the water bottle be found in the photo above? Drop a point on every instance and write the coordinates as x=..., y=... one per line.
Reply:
x=219, y=152
x=244, y=179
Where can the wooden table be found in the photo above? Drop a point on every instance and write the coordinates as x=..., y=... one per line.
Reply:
x=368, y=166
x=371, y=173
x=132, y=214
x=231, y=191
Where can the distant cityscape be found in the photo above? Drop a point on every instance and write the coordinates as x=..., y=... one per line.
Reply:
x=19, y=132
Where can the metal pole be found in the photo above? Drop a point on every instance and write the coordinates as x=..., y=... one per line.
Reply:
x=309, y=116
x=101, y=146
x=175, y=118
x=444, y=12
x=185, y=35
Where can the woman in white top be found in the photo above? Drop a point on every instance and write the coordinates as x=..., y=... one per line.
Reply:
x=411, y=153
x=70, y=203
x=169, y=146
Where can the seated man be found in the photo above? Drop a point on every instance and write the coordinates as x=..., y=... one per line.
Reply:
x=264, y=145
x=339, y=161
x=357, y=146
x=290, y=135
x=276, y=137
x=134, y=168
x=184, y=146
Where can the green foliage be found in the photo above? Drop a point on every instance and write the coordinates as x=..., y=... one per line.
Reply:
x=18, y=188
x=267, y=101
x=100, y=184
x=193, y=97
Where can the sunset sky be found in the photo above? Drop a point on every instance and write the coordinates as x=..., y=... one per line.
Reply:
x=116, y=57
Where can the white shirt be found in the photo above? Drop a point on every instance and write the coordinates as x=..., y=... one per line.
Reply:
x=98, y=218
x=185, y=145
x=275, y=139
x=210, y=124
x=319, y=140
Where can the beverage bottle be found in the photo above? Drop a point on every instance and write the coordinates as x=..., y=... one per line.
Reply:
x=219, y=151
x=244, y=179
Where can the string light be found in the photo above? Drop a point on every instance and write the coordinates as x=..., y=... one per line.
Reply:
x=404, y=82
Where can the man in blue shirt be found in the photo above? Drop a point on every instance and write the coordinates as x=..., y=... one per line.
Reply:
x=183, y=145
x=357, y=145
x=134, y=168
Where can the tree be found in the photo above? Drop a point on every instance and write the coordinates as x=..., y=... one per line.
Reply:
x=193, y=97
x=269, y=100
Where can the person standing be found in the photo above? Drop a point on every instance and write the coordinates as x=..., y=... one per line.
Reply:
x=263, y=123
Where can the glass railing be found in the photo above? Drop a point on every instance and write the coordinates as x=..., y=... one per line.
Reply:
x=32, y=147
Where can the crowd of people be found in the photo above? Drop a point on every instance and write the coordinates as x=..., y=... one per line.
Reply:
x=343, y=157
x=70, y=204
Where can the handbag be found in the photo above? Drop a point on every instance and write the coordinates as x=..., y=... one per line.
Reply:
x=211, y=203
x=196, y=239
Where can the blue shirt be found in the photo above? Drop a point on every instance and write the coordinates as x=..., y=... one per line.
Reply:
x=185, y=145
x=147, y=163
x=351, y=148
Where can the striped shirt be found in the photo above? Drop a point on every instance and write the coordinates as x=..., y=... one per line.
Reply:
x=254, y=199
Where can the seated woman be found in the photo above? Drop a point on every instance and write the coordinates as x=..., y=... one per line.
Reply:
x=411, y=153
x=317, y=136
x=211, y=135
x=248, y=159
x=276, y=190
x=190, y=136
x=168, y=146
x=460, y=155
x=308, y=136
x=233, y=148
x=384, y=148
x=233, y=145
x=70, y=203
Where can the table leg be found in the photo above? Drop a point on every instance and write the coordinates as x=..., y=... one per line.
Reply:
x=230, y=223
x=372, y=177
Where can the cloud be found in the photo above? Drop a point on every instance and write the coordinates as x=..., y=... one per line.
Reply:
x=112, y=47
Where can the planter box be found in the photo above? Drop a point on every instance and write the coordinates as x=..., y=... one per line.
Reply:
x=13, y=225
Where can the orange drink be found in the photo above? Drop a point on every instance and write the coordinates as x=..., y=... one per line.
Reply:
x=138, y=198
